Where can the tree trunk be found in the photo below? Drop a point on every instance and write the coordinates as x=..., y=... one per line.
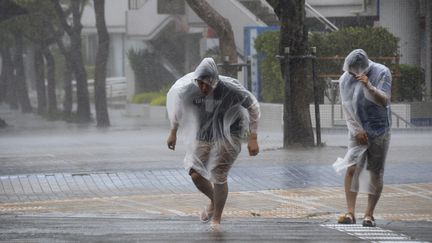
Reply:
x=224, y=31
x=40, y=81
x=297, y=120
x=3, y=76
x=75, y=55
x=428, y=71
x=51, y=87
x=8, y=70
x=21, y=85
x=67, y=80
x=102, y=117
x=83, y=100
x=68, y=100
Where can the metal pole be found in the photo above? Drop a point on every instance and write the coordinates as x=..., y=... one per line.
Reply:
x=225, y=66
x=245, y=69
x=316, y=100
x=332, y=111
x=249, y=75
x=287, y=106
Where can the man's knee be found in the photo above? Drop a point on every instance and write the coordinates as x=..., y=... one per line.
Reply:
x=350, y=171
x=377, y=181
x=194, y=175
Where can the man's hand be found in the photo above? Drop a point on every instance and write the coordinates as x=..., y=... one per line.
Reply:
x=363, y=79
x=253, y=144
x=362, y=138
x=172, y=139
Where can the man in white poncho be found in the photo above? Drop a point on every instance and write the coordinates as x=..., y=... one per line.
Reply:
x=365, y=89
x=215, y=114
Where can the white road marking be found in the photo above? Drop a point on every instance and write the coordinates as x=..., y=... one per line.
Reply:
x=373, y=234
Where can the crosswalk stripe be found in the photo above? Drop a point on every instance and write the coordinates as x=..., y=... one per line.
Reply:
x=373, y=234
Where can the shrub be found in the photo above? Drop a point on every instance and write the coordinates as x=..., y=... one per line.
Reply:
x=152, y=98
x=150, y=75
x=272, y=85
x=144, y=98
x=159, y=100
x=411, y=83
x=90, y=70
x=375, y=41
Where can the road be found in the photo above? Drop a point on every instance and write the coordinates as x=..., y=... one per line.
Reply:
x=72, y=182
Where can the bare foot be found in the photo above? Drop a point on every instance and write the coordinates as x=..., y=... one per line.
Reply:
x=207, y=213
x=215, y=227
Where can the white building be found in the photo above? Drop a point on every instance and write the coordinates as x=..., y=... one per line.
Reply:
x=179, y=38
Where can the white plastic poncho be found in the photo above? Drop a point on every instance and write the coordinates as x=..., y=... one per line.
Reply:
x=354, y=97
x=214, y=125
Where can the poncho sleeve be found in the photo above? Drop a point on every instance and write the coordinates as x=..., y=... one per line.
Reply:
x=348, y=97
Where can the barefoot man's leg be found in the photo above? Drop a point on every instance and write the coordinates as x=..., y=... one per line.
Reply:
x=203, y=186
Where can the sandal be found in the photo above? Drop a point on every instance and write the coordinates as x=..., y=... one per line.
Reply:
x=215, y=227
x=206, y=215
x=347, y=218
x=369, y=221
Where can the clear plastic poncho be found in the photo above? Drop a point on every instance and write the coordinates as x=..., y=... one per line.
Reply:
x=356, y=98
x=214, y=125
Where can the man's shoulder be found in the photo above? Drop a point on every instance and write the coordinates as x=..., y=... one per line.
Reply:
x=380, y=67
x=188, y=89
x=231, y=85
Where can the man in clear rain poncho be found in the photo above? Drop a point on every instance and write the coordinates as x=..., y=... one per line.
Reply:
x=215, y=114
x=365, y=90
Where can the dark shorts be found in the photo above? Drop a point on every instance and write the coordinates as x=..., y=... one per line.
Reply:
x=377, y=152
x=213, y=160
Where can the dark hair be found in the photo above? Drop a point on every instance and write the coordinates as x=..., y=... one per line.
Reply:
x=358, y=60
x=203, y=77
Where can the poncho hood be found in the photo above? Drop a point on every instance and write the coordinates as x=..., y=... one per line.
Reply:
x=207, y=71
x=357, y=62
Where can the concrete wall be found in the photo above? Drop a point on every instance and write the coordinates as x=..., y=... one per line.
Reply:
x=272, y=115
x=115, y=16
x=117, y=55
x=402, y=19
x=421, y=113
x=145, y=23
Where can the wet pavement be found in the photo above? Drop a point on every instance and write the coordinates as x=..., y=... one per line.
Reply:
x=64, y=182
x=109, y=229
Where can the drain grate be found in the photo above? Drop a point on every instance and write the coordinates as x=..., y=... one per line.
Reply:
x=372, y=234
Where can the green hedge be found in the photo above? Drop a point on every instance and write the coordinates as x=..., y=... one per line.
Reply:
x=377, y=42
x=412, y=81
x=152, y=98
x=150, y=75
x=272, y=85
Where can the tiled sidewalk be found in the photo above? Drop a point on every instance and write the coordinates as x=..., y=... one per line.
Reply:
x=410, y=202
x=58, y=186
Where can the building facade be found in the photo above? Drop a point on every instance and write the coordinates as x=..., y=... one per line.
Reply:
x=178, y=38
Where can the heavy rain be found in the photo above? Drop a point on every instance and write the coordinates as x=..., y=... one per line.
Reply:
x=215, y=120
